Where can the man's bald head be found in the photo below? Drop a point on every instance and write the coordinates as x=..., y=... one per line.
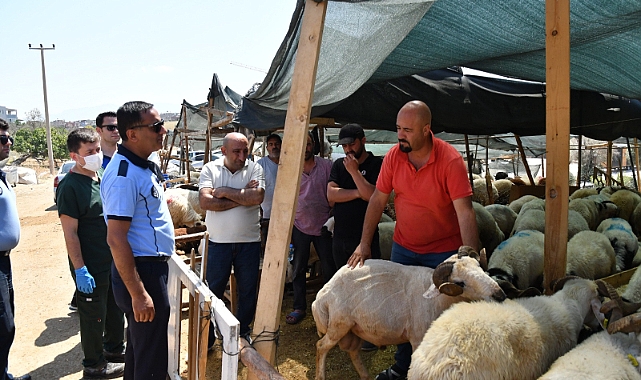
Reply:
x=419, y=110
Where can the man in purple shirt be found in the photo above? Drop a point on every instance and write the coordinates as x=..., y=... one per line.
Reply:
x=312, y=212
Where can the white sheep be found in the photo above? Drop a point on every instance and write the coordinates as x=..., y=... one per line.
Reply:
x=504, y=187
x=594, y=211
x=601, y=356
x=181, y=211
x=382, y=302
x=626, y=200
x=516, y=204
x=635, y=220
x=590, y=255
x=480, y=194
x=534, y=219
x=622, y=239
x=583, y=193
x=516, y=339
x=490, y=235
x=503, y=216
x=519, y=260
x=190, y=195
x=386, y=238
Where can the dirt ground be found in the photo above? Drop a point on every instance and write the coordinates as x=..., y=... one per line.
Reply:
x=47, y=343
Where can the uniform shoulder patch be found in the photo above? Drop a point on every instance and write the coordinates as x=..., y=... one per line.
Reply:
x=123, y=168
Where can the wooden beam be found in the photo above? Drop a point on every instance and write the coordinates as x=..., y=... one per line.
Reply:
x=524, y=158
x=578, y=173
x=608, y=181
x=557, y=62
x=636, y=162
x=285, y=200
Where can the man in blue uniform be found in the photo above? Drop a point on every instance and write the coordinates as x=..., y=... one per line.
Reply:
x=9, y=237
x=141, y=237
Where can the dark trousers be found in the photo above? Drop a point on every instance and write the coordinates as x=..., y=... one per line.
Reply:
x=323, y=246
x=245, y=258
x=147, y=353
x=102, y=323
x=402, y=255
x=7, y=326
x=342, y=248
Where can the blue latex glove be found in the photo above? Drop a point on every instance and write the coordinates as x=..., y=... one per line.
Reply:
x=84, y=281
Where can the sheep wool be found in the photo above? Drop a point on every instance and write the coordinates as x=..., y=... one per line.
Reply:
x=601, y=356
x=515, y=339
x=519, y=260
x=626, y=200
x=490, y=235
x=503, y=216
x=516, y=204
x=590, y=256
x=623, y=241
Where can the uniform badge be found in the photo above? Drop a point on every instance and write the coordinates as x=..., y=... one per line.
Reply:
x=154, y=192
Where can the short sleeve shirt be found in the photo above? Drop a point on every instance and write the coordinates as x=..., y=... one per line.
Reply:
x=313, y=207
x=349, y=216
x=239, y=224
x=9, y=220
x=78, y=197
x=132, y=190
x=270, y=169
x=426, y=221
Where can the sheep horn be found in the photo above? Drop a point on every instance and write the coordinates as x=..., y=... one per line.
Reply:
x=450, y=289
x=465, y=250
x=557, y=284
x=631, y=323
x=440, y=278
x=442, y=273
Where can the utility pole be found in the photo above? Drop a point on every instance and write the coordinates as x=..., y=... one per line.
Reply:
x=44, y=89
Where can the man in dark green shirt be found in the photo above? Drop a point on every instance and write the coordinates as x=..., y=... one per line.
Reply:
x=85, y=231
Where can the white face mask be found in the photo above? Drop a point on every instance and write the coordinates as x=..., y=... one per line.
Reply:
x=93, y=162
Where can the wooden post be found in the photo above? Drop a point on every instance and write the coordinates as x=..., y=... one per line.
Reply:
x=557, y=62
x=634, y=176
x=186, y=150
x=208, y=133
x=578, y=173
x=608, y=177
x=636, y=162
x=469, y=161
x=272, y=282
x=524, y=158
x=488, y=177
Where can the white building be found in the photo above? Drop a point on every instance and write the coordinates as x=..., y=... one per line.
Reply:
x=8, y=114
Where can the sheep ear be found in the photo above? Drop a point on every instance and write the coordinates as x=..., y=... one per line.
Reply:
x=432, y=292
x=450, y=289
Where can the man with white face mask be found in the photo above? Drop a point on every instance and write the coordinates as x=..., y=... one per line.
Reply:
x=85, y=231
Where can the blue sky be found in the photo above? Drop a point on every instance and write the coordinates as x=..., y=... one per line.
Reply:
x=111, y=52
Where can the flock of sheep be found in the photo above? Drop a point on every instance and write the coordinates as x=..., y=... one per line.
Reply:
x=482, y=315
x=462, y=327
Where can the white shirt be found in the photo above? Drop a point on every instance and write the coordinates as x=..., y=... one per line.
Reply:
x=270, y=168
x=240, y=224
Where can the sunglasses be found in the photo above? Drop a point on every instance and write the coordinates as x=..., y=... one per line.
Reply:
x=110, y=128
x=157, y=126
x=4, y=139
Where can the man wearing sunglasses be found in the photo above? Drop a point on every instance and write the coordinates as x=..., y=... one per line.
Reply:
x=9, y=237
x=140, y=234
x=107, y=128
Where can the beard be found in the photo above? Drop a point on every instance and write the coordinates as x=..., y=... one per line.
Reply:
x=404, y=148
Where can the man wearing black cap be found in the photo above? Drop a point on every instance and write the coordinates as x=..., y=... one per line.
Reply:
x=351, y=183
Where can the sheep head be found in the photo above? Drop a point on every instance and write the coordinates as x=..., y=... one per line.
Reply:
x=462, y=275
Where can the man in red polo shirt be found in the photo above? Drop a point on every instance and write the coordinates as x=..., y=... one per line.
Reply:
x=434, y=214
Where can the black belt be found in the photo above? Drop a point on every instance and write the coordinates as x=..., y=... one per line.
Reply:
x=5, y=253
x=152, y=259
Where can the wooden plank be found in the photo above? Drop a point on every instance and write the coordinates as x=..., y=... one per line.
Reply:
x=619, y=279
x=270, y=296
x=557, y=61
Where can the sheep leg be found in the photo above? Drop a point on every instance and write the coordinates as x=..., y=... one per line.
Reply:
x=352, y=345
x=322, y=348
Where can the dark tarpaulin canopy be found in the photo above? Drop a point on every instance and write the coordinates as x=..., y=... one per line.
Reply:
x=376, y=55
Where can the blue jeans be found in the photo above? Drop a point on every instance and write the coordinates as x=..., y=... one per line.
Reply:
x=7, y=326
x=245, y=257
x=323, y=246
x=402, y=255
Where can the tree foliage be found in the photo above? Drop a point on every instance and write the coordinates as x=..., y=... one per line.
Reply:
x=33, y=141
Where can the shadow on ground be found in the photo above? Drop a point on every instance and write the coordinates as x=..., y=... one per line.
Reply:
x=58, y=330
